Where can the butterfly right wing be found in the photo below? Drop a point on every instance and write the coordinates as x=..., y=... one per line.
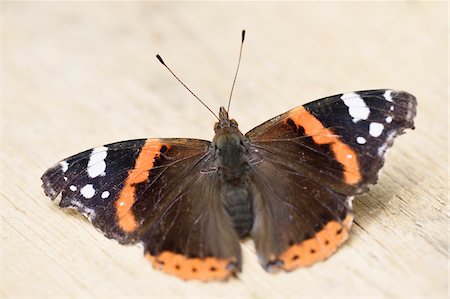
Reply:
x=161, y=192
x=321, y=154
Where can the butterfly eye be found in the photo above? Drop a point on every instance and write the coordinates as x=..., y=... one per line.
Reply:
x=233, y=123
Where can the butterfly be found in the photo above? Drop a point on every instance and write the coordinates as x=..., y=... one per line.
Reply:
x=288, y=184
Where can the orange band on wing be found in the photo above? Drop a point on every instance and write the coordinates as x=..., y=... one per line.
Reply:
x=205, y=269
x=140, y=172
x=319, y=247
x=343, y=153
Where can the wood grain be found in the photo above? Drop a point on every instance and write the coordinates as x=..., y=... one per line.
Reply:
x=77, y=75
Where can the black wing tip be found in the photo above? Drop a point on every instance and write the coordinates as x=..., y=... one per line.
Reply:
x=406, y=96
x=410, y=102
x=50, y=182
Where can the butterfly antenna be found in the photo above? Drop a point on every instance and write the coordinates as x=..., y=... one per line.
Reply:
x=163, y=63
x=237, y=69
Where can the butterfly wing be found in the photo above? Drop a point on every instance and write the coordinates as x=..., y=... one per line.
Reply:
x=298, y=221
x=91, y=181
x=322, y=154
x=161, y=192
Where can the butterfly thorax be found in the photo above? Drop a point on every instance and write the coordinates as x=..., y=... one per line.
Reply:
x=231, y=155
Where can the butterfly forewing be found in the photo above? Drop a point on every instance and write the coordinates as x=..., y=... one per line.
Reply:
x=367, y=121
x=90, y=182
x=341, y=139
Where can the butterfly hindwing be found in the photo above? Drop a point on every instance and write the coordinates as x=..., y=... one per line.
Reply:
x=297, y=221
x=160, y=192
x=322, y=154
x=191, y=236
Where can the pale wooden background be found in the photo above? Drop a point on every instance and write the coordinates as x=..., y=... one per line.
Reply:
x=77, y=75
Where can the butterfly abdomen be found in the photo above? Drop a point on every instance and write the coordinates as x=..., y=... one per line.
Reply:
x=239, y=207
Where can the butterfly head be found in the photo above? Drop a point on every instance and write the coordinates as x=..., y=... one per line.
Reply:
x=225, y=123
x=227, y=137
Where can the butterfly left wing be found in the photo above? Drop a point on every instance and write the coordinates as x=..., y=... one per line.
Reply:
x=322, y=154
x=161, y=192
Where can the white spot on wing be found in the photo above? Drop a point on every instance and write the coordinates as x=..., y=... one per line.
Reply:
x=357, y=108
x=388, y=95
x=73, y=188
x=410, y=110
x=87, y=191
x=375, y=129
x=350, y=202
x=57, y=200
x=87, y=212
x=105, y=194
x=388, y=142
x=361, y=140
x=97, y=165
x=64, y=166
x=391, y=108
x=388, y=119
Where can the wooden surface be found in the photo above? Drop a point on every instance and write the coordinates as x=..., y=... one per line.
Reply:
x=77, y=75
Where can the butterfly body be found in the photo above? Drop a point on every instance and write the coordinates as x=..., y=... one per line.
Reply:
x=232, y=165
x=288, y=184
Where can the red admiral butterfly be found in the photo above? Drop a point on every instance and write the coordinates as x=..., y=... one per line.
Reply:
x=288, y=184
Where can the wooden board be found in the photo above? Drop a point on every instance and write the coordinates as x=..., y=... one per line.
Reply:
x=77, y=75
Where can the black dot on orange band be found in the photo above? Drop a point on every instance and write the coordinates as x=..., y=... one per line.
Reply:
x=339, y=231
x=177, y=267
x=163, y=149
x=194, y=269
x=295, y=257
x=312, y=250
x=327, y=242
x=213, y=269
x=291, y=123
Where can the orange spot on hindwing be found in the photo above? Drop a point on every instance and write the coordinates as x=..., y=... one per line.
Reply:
x=140, y=173
x=317, y=248
x=204, y=269
x=343, y=153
